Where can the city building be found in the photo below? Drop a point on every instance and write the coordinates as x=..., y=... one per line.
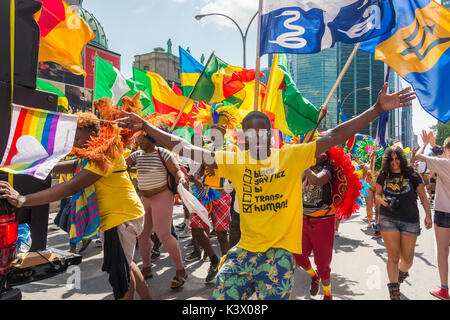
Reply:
x=165, y=63
x=400, y=120
x=361, y=84
x=315, y=75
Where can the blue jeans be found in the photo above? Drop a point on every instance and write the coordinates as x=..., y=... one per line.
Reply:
x=389, y=224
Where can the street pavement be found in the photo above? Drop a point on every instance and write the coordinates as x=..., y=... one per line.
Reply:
x=358, y=270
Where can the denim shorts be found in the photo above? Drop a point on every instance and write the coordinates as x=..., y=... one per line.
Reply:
x=442, y=219
x=389, y=224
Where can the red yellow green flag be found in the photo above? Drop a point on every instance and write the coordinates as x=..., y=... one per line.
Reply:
x=64, y=34
x=163, y=99
x=219, y=81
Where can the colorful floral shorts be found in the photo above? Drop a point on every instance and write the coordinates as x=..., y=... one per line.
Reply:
x=269, y=274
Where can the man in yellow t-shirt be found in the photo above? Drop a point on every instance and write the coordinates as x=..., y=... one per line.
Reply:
x=268, y=184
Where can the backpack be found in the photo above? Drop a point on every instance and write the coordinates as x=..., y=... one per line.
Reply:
x=171, y=181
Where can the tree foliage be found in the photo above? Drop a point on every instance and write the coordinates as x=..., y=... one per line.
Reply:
x=442, y=131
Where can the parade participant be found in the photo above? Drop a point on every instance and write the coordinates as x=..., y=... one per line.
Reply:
x=441, y=209
x=330, y=190
x=397, y=188
x=120, y=209
x=318, y=225
x=370, y=174
x=211, y=194
x=158, y=203
x=194, y=177
x=369, y=199
x=267, y=181
x=235, y=224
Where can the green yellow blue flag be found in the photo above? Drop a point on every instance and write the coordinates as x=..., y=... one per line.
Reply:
x=417, y=49
x=191, y=70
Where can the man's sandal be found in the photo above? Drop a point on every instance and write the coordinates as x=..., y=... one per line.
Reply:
x=178, y=281
x=394, y=291
x=147, y=272
x=402, y=276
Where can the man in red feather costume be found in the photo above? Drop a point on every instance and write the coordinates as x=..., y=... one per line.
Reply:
x=318, y=224
x=330, y=189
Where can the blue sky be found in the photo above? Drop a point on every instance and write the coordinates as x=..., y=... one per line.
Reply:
x=138, y=26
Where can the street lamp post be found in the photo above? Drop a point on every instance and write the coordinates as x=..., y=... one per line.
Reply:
x=354, y=91
x=243, y=35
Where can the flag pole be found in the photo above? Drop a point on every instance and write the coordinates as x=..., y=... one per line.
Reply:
x=190, y=94
x=12, y=27
x=95, y=78
x=181, y=112
x=324, y=108
x=258, y=58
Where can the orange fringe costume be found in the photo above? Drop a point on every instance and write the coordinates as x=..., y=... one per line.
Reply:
x=111, y=140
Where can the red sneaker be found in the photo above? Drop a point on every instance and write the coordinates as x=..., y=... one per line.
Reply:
x=441, y=294
x=377, y=235
x=314, y=288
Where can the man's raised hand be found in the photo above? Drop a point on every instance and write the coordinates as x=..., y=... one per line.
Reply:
x=399, y=99
x=130, y=121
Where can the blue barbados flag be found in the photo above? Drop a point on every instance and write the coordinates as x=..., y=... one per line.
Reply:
x=417, y=48
x=299, y=26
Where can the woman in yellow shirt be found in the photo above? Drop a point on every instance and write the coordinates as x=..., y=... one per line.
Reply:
x=121, y=211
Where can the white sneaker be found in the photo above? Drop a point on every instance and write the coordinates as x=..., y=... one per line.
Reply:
x=337, y=234
x=186, y=232
x=53, y=227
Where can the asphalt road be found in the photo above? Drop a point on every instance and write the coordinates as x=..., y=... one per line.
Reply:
x=358, y=270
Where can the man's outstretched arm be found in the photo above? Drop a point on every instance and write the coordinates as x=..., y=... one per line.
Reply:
x=385, y=102
x=167, y=140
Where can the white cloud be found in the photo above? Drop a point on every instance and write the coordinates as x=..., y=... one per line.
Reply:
x=241, y=11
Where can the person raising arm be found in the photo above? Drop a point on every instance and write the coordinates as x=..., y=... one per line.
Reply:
x=267, y=187
x=331, y=138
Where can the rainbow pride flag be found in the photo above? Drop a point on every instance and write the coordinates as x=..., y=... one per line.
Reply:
x=38, y=139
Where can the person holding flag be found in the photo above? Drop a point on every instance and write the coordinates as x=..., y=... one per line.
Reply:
x=267, y=184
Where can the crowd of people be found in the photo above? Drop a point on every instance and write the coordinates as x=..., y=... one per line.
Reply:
x=270, y=208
